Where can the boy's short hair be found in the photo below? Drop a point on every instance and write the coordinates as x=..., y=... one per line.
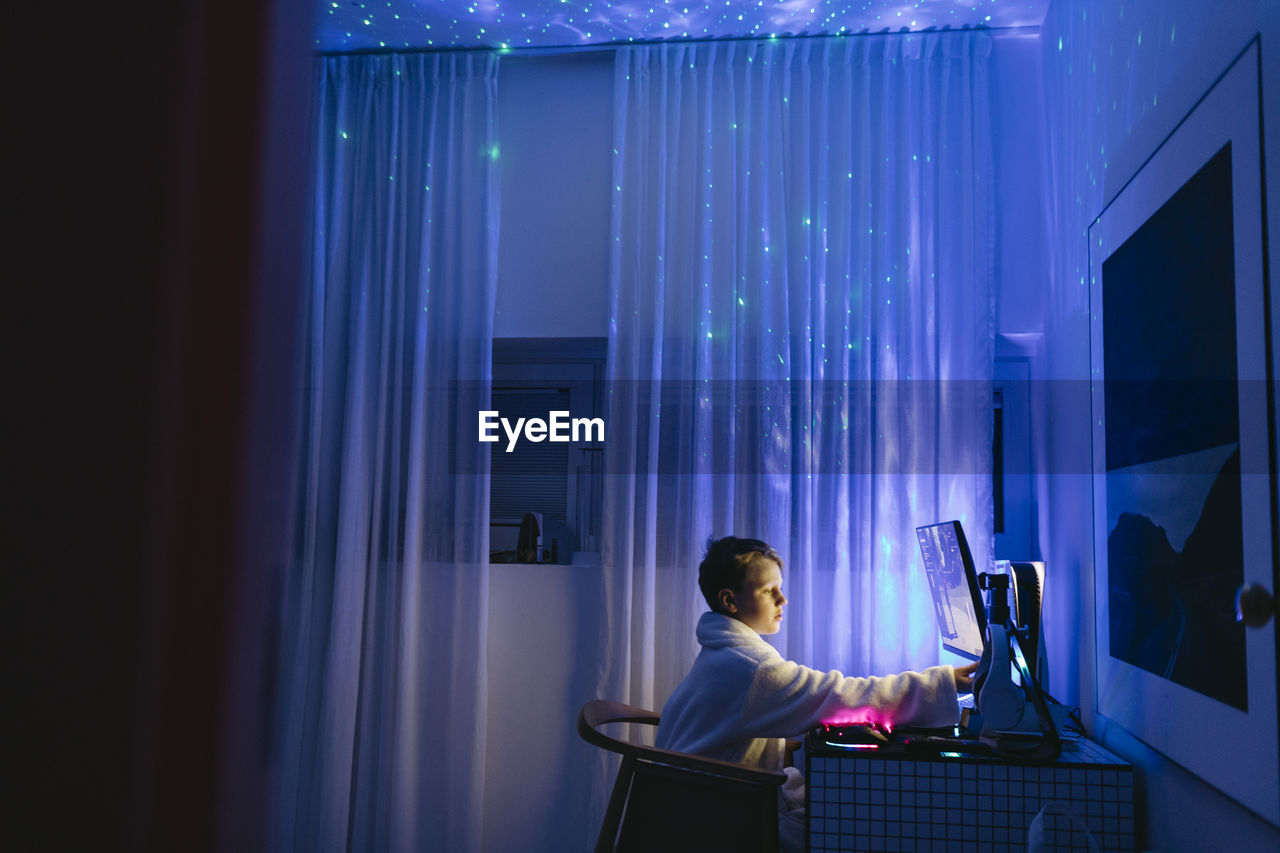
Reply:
x=726, y=562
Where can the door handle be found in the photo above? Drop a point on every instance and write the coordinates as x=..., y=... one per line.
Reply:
x=1254, y=605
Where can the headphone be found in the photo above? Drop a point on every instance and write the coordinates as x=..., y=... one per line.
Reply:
x=1000, y=702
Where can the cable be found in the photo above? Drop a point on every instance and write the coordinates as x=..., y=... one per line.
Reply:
x=1049, y=747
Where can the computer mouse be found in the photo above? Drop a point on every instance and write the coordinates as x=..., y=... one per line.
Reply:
x=857, y=733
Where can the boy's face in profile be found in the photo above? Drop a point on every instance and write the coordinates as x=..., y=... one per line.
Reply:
x=758, y=603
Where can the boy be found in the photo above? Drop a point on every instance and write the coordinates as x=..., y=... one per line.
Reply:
x=742, y=699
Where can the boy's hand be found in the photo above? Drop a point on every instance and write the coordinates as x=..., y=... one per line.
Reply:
x=964, y=677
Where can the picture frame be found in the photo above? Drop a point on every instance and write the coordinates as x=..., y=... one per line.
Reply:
x=1183, y=441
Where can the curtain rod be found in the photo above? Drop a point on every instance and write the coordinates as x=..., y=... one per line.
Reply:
x=600, y=47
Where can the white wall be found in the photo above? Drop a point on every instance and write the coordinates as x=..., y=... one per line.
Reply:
x=1118, y=77
x=1017, y=111
x=555, y=125
x=543, y=632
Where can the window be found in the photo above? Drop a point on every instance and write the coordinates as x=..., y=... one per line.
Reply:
x=1012, y=464
x=563, y=481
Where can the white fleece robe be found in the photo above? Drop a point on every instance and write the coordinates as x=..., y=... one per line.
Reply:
x=742, y=700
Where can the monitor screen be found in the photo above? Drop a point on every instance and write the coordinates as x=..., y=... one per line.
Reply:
x=953, y=581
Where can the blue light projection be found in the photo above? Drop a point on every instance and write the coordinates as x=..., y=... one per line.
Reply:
x=350, y=25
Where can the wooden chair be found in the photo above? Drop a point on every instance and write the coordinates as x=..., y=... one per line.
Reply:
x=674, y=802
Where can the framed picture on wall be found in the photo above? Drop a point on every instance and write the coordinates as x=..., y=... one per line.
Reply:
x=1182, y=439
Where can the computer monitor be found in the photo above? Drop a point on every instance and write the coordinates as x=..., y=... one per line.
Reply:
x=953, y=580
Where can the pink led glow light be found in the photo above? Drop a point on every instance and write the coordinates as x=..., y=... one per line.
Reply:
x=860, y=717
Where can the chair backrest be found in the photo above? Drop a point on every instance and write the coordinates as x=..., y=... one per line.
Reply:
x=673, y=801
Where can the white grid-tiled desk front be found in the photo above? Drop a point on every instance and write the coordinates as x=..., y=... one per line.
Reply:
x=860, y=801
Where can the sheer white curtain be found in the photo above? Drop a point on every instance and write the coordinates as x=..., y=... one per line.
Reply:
x=381, y=712
x=801, y=338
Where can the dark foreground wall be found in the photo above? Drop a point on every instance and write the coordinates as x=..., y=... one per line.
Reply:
x=154, y=228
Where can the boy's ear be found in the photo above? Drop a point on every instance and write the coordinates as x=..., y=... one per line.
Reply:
x=727, y=604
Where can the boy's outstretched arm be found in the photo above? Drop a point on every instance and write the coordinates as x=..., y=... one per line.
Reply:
x=964, y=678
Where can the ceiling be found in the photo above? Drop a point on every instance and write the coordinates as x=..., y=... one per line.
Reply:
x=350, y=25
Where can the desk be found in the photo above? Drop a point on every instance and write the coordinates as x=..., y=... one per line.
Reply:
x=866, y=800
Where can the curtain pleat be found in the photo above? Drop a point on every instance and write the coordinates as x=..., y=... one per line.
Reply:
x=381, y=709
x=800, y=340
